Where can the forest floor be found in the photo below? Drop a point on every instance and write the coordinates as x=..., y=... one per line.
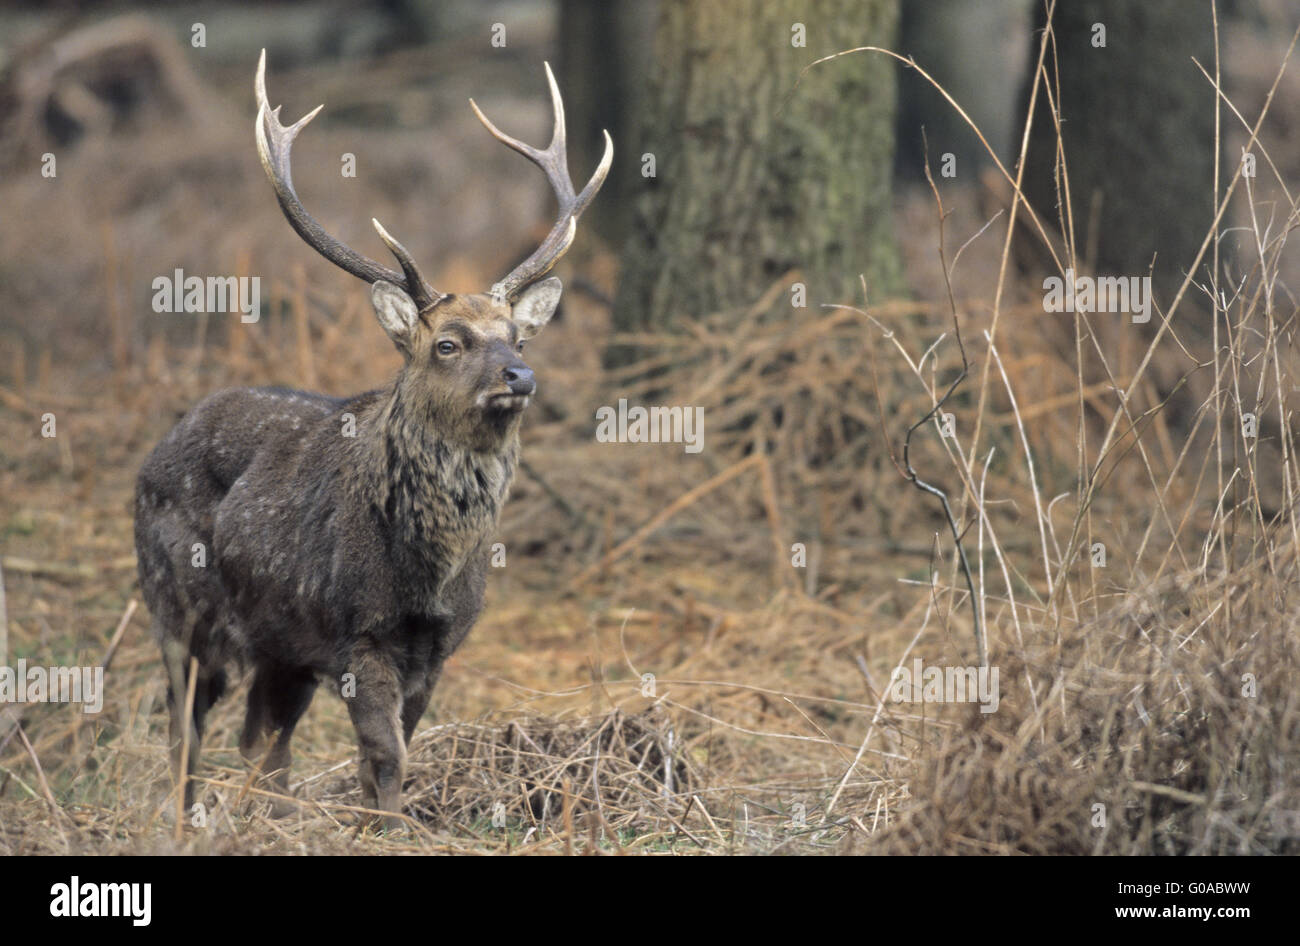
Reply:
x=684, y=652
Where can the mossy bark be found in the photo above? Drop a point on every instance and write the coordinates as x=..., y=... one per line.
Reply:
x=753, y=177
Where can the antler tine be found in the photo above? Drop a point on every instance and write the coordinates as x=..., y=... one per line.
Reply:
x=424, y=294
x=554, y=163
x=274, y=142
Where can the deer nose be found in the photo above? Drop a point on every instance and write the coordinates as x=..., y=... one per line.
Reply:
x=520, y=379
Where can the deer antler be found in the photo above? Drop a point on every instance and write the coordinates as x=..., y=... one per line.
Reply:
x=273, y=143
x=554, y=162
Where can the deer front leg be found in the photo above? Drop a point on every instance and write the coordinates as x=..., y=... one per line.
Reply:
x=376, y=715
x=417, y=701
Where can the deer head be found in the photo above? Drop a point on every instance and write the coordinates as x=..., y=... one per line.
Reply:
x=462, y=352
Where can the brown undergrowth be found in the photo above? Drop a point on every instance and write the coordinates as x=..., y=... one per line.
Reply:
x=693, y=652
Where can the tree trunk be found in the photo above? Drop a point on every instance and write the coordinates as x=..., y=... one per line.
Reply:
x=753, y=177
x=977, y=52
x=1138, y=131
x=605, y=54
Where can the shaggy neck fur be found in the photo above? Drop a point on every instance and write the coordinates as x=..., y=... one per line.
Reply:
x=440, y=500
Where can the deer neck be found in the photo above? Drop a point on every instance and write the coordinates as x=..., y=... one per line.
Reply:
x=440, y=500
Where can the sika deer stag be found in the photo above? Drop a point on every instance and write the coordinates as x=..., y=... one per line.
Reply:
x=308, y=538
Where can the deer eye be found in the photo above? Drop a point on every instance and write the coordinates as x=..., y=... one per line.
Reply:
x=519, y=346
x=446, y=348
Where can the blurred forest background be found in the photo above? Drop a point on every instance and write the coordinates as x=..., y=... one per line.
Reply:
x=789, y=243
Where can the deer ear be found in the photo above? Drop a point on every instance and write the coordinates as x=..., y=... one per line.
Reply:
x=397, y=312
x=536, y=306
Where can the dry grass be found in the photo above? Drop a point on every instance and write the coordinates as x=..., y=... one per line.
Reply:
x=651, y=673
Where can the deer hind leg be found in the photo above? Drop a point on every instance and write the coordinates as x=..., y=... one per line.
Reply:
x=175, y=656
x=257, y=724
x=376, y=715
x=209, y=686
x=277, y=699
